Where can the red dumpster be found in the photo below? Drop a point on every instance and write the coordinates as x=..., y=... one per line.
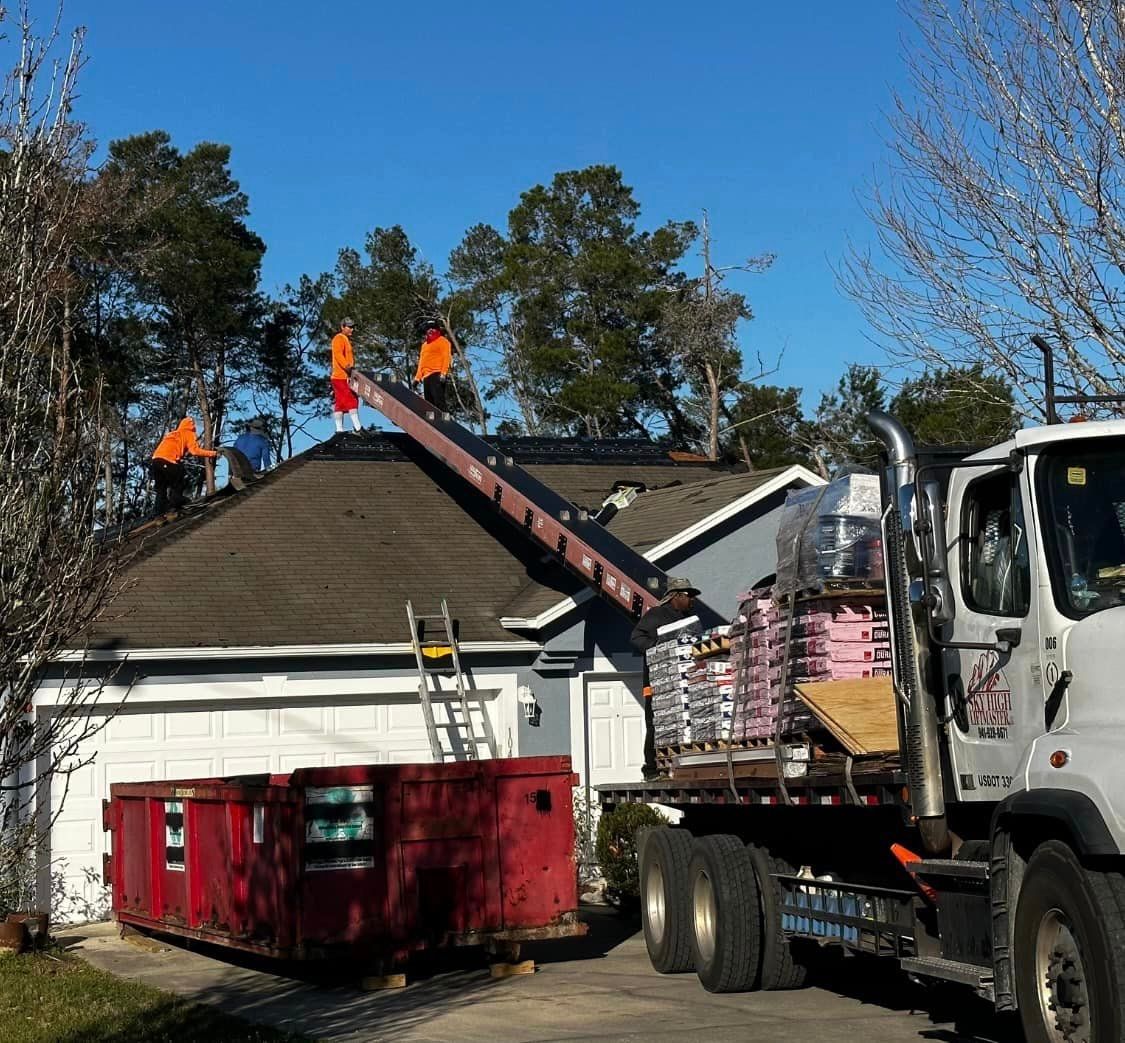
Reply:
x=377, y=860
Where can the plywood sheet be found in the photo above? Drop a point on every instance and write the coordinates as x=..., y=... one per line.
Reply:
x=860, y=713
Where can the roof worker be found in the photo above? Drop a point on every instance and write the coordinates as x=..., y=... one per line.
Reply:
x=254, y=445
x=434, y=361
x=343, y=362
x=166, y=466
x=675, y=605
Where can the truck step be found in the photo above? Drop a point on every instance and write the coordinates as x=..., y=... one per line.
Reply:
x=950, y=867
x=980, y=978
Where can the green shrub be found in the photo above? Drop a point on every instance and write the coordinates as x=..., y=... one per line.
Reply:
x=617, y=847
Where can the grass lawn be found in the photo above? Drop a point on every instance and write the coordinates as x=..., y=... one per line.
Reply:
x=65, y=1000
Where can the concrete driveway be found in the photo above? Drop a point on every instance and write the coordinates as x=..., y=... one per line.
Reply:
x=597, y=988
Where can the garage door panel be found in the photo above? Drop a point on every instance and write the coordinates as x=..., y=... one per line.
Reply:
x=190, y=768
x=292, y=761
x=349, y=719
x=130, y=728
x=416, y=756
x=246, y=722
x=194, y=725
x=129, y=771
x=246, y=765
x=79, y=782
x=303, y=720
x=403, y=717
x=73, y=835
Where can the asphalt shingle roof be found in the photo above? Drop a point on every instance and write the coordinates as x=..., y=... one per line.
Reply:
x=651, y=519
x=327, y=548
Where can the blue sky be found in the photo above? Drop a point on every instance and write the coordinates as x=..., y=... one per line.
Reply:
x=343, y=116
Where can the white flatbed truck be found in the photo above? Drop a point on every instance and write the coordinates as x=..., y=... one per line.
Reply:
x=1005, y=584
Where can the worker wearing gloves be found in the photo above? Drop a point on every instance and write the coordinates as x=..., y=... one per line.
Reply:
x=166, y=466
x=434, y=362
x=343, y=362
x=254, y=445
x=676, y=605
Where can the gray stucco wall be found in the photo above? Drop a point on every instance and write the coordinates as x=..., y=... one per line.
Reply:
x=727, y=561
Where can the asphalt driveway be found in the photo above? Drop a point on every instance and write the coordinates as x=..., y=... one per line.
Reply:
x=597, y=988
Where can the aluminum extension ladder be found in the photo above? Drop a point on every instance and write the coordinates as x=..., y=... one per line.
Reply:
x=464, y=741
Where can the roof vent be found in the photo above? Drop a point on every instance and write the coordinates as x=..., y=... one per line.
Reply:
x=616, y=501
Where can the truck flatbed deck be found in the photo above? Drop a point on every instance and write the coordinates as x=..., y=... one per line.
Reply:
x=868, y=789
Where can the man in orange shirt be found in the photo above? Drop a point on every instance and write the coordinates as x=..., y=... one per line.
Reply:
x=433, y=366
x=343, y=362
x=167, y=468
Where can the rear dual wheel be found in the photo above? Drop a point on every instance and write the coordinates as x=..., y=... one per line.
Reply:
x=725, y=918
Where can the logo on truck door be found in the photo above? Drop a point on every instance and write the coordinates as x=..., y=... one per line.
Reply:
x=989, y=698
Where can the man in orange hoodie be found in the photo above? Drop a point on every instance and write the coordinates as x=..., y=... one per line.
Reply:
x=343, y=362
x=433, y=366
x=167, y=468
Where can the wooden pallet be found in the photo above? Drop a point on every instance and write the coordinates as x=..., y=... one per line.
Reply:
x=708, y=648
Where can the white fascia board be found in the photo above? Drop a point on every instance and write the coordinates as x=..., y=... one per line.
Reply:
x=281, y=651
x=795, y=474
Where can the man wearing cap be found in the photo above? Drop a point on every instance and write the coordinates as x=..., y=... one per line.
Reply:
x=434, y=361
x=254, y=445
x=675, y=605
x=343, y=362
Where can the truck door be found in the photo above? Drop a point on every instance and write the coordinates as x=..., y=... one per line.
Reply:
x=987, y=692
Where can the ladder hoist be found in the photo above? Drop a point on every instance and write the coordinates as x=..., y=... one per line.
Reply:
x=610, y=567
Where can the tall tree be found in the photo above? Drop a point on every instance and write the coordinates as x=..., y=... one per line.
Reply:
x=199, y=288
x=1004, y=211
x=957, y=407
x=55, y=574
x=287, y=374
x=699, y=328
x=588, y=291
x=772, y=429
x=842, y=434
x=391, y=295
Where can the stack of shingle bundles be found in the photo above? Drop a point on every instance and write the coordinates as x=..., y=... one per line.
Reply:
x=756, y=654
x=712, y=700
x=837, y=641
x=670, y=663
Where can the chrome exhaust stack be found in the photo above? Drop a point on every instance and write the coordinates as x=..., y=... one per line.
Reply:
x=906, y=561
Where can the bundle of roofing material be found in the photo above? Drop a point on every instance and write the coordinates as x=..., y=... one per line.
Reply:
x=711, y=694
x=839, y=641
x=841, y=543
x=669, y=664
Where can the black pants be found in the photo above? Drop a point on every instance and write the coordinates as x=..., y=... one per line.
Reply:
x=433, y=391
x=169, y=481
x=650, y=736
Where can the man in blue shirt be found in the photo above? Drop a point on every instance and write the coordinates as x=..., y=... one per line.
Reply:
x=254, y=445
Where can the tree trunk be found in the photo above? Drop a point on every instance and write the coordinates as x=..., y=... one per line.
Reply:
x=714, y=402
x=470, y=378
x=205, y=416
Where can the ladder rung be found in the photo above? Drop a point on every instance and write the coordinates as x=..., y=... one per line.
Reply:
x=428, y=619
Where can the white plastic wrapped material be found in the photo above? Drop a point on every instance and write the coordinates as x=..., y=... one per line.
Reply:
x=841, y=543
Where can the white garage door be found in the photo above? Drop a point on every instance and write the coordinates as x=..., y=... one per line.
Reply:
x=153, y=743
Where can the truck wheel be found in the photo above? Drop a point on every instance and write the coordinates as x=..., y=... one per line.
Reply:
x=664, y=899
x=779, y=969
x=725, y=935
x=1070, y=950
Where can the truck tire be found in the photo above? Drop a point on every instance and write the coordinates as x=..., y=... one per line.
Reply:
x=665, y=857
x=779, y=968
x=725, y=918
x=1069, y=947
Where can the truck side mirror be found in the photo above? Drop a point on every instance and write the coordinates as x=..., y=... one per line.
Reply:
x=1008, y=638
x=936, y=554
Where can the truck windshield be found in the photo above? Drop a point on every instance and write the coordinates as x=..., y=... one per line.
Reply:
x=1082, y=488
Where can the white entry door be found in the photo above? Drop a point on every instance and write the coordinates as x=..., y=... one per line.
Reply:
x=615, y=730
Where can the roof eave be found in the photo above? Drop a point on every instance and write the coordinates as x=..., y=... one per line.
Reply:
x=396, y=648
